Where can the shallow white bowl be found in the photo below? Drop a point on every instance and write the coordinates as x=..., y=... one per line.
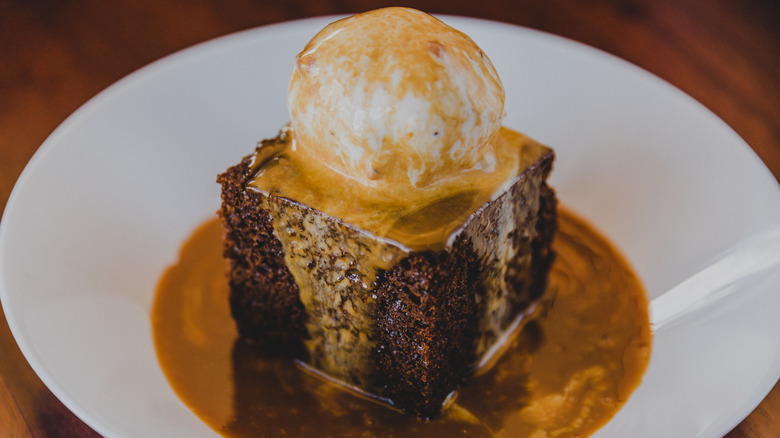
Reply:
x=106, y=202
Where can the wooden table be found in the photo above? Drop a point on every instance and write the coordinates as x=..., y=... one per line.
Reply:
x=54, y=56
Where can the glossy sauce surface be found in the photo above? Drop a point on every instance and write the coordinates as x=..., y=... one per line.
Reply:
x=564, y=374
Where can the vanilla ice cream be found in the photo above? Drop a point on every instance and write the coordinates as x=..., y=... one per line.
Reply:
x=395, y=96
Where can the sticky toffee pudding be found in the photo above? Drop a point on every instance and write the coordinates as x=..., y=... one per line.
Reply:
x=389, y=255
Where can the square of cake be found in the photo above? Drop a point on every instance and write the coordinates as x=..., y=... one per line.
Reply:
x=394, y=231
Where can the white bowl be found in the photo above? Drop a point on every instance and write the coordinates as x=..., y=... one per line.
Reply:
x=106, y=202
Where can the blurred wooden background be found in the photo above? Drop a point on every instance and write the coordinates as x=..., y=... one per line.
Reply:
x=56, y=55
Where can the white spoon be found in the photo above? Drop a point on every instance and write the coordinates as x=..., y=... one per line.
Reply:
x=734, y=271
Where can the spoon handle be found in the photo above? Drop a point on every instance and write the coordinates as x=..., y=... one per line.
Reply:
x=749, y=260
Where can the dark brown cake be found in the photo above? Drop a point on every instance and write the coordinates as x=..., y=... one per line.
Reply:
x=406, y=326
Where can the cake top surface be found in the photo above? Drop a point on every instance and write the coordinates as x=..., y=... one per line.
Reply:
x=421, y=220
x=395, y=97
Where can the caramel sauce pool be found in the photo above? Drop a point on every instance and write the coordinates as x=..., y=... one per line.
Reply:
x=565, y=374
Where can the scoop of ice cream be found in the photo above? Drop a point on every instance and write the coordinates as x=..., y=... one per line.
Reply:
x=395, y=96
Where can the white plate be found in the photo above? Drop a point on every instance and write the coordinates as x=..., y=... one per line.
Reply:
x=106, y=202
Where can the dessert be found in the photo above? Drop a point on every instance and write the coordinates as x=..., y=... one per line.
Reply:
x=394, y=231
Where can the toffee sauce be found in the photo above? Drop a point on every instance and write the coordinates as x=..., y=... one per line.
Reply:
x=564, y=374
